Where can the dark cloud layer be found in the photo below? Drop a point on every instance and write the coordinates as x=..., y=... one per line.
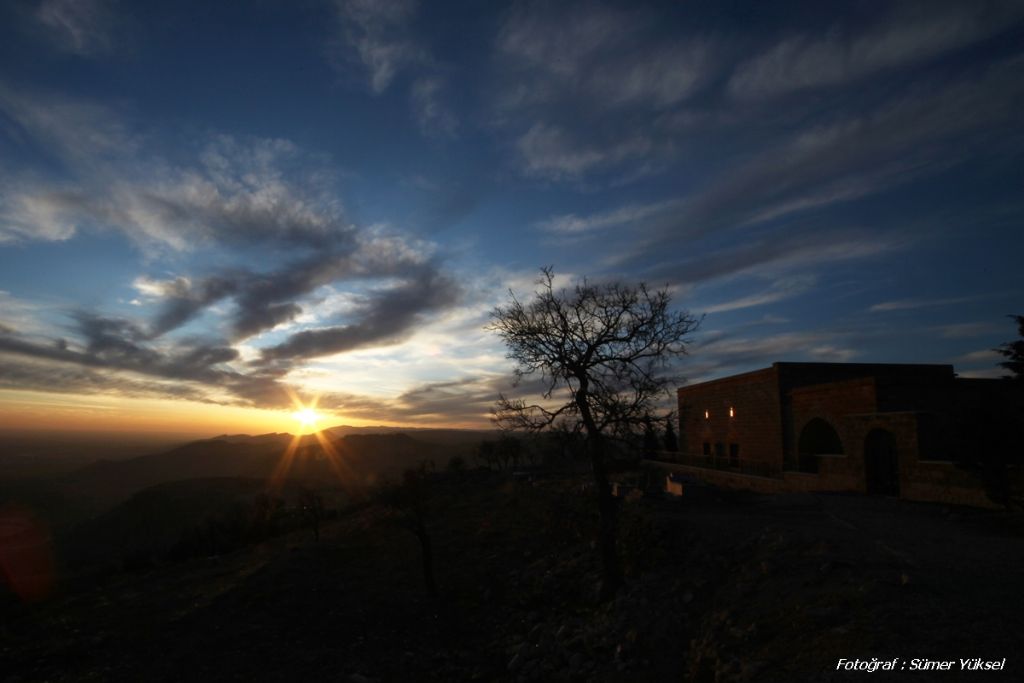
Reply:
x=385, y=318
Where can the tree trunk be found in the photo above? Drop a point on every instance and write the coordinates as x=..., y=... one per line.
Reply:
x=611, y=569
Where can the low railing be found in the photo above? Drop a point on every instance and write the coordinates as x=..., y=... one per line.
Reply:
x=723, y=463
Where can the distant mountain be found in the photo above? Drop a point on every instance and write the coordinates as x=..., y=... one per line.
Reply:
x=153, y=520
x=362, y=458
x=430, y=434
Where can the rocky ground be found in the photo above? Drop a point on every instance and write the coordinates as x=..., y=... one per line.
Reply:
x=721, y=586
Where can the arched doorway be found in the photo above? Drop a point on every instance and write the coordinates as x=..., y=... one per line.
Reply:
x=817, y=437
x=881, y=466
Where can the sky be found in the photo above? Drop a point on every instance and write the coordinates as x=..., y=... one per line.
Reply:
x=210, y=210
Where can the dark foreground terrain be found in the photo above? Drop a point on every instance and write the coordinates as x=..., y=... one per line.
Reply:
x=721, y=587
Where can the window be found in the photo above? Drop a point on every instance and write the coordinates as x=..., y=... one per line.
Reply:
x=707, y=414
x=707, y=448
x=732, y=412
x=734, y=455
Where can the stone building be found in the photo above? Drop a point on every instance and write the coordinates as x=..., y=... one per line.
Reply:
x=890, y=429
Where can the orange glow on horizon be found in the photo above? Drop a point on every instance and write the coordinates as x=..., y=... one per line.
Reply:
x=24, y=410
x=32, y=410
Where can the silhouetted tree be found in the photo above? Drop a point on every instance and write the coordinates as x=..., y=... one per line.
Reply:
x=650, y=438
x=671, y=442
x=1014, y=352
x=600, y=349
x=410, y=501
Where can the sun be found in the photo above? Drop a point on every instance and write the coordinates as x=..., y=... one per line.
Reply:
x=307, y=418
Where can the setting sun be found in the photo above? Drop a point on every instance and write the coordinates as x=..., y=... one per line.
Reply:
x=307, y=418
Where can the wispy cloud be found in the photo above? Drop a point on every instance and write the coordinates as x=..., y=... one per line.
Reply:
x=385, y=318
x=573, y=224
x=83, y=27
x=911, y=34
x=966, y=330
x=378, y=34
x=780, y=290
x=912, y=304
x=587, y=80
x=901, y=140
x=433, y=116
x=551, y=151
x=990, y=356
x=717, y=354
x=790, y=251
x=612, y=57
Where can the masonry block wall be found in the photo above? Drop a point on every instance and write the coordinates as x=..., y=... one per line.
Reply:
x=831, y=402
x=754, y=428
x=921, y=412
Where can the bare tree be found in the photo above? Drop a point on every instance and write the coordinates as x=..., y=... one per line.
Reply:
x=601, y=350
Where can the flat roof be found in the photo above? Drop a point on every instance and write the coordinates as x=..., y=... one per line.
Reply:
x=869, y=368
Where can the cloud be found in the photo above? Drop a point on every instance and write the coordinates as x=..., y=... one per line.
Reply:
x=115, y=352
x=20, y=373
x=585, y=78
x=49, y=216
x=912, y=304
x=466, y=401
x=966, y=330
x=572, y=224
x=912, y=34
x=384, y=318
x=663, y=76
x=22, y=315
x=552, y=152
x=235, y=191
x=377, y=31
x=81, y=27
x=792, y=249
x=74, y=132
x=983, y=356
x=432, y=114
x=611, y=57
x=719, y=355
x=240, y=205
x=780, y=290
x=564, y=42
x=922, y=131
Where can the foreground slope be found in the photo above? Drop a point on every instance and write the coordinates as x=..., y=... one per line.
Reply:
x=720, y=587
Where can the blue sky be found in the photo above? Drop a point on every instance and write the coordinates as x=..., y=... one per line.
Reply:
x=208, y=203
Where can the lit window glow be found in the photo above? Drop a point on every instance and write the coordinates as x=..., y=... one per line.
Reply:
x=732, y=412
x=707, y=415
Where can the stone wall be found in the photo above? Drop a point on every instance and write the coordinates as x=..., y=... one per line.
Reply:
x=755, y=426
x=761, y=415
